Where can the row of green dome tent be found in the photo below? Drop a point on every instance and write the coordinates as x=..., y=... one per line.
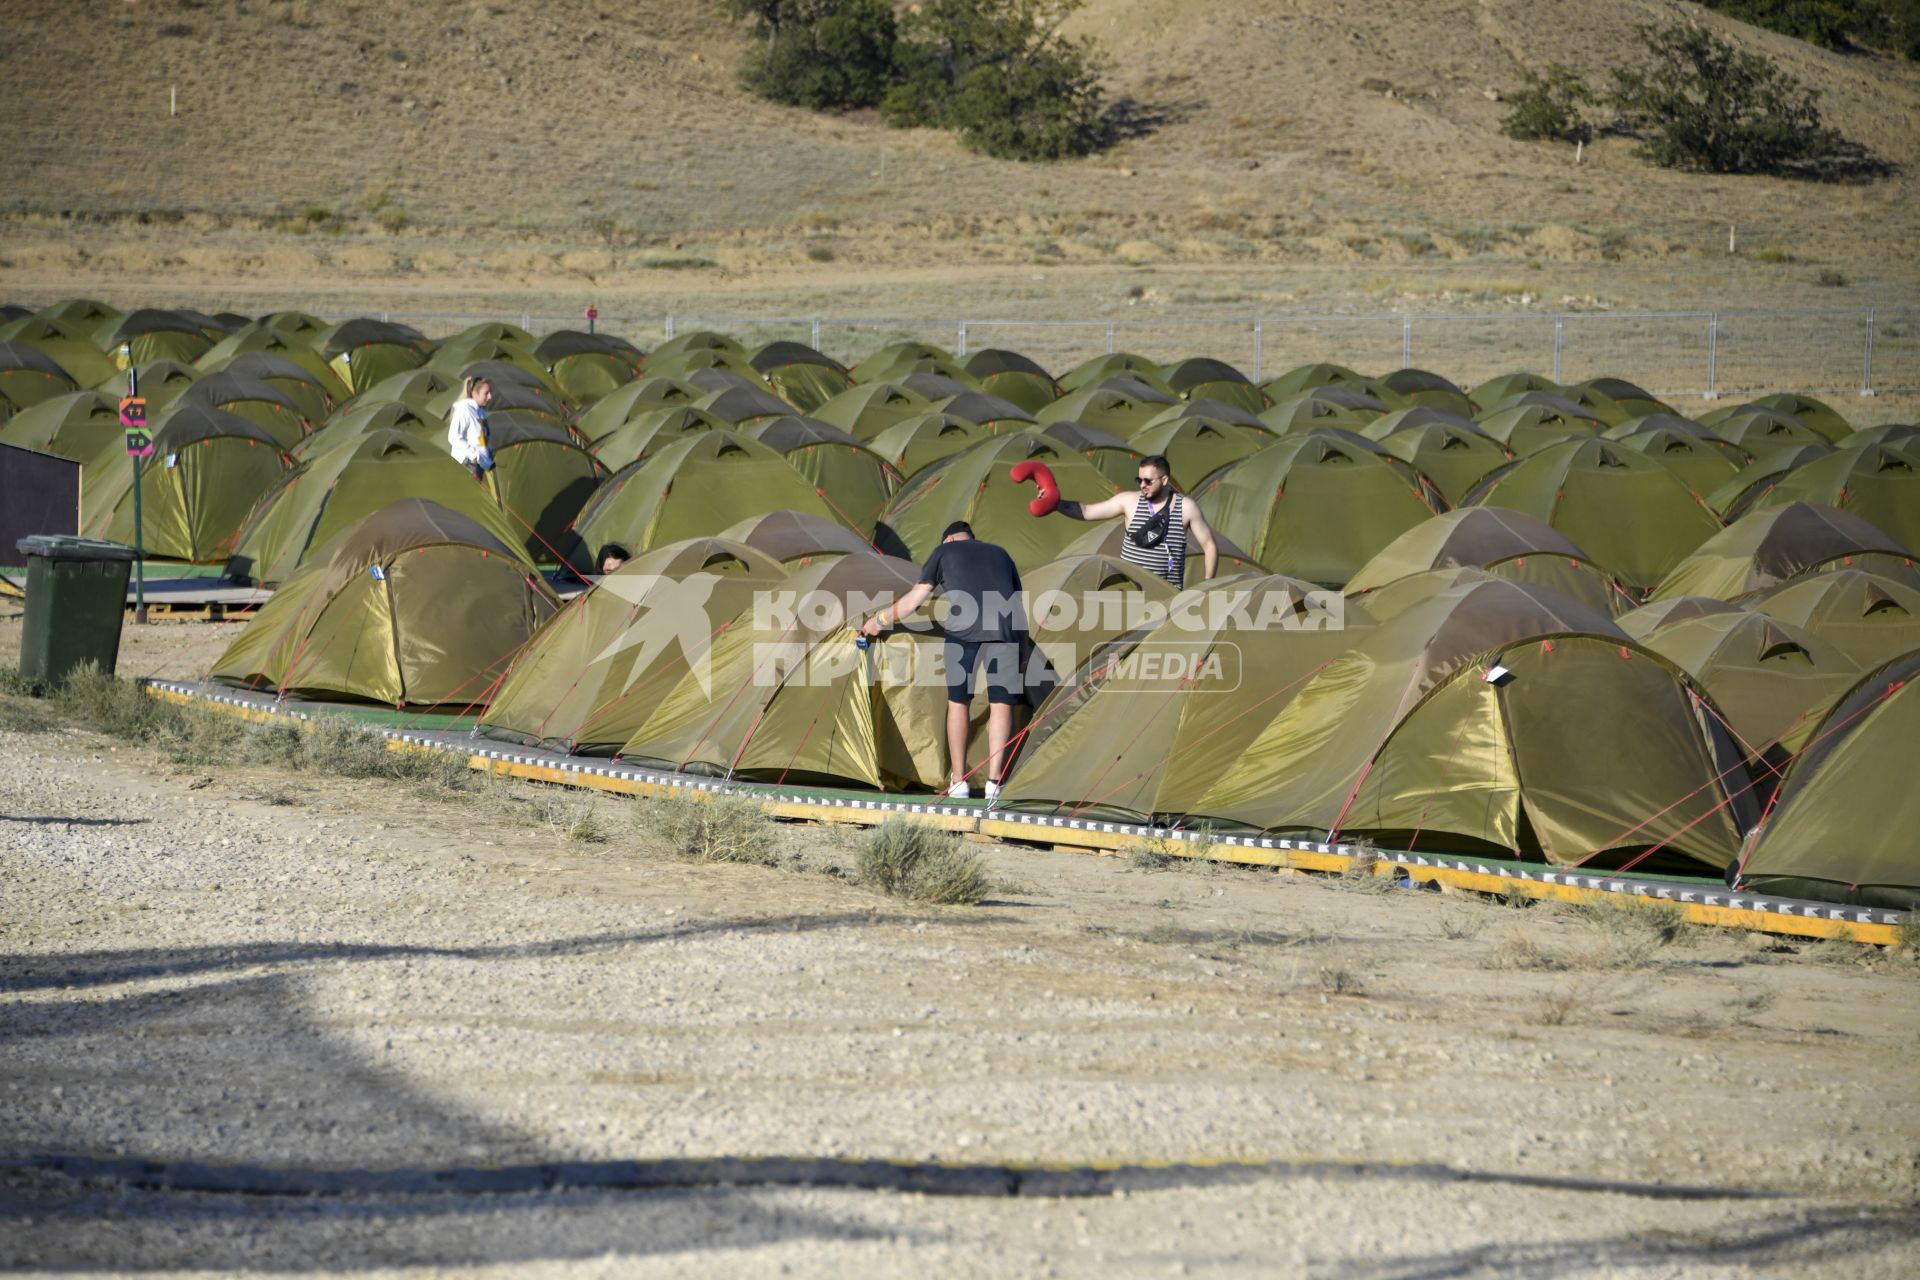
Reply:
x=1704, y=618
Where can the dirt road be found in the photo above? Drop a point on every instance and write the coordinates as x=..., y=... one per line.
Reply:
x=338, y=979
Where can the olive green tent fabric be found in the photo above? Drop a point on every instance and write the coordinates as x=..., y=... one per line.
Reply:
x=207, y=470
x=796, y=538
x=1301, y=412
x=641, y=396
x=1204, y=378
x=1868, y=617
x=414, y=387
x=1306, y=377
x=975, y=485
x=694, y=488
x=83, y=362
x=77, y=425
x=865, y=411
x=1427, y=390
x=743, y=405
x=229, y=353
x=1490, y=393
x=1701, y=465
x=1198, y=447
x=356, y=421
x=1816, y=415
x=695, y=340
x=161, y=382
x=1078, y=604
x=1752, y=482
x=1448, y=450
x=1140, y=730
x=1770, y=679
x=645, y=434
x=1672, y=424
x=914, y=444
x=514, y=390
x=1506, y=544
x=588, y=366
x=1117, y=460
x=1106, y=538
x=799, y=375
x=1759, y=430
x=592, y=675
x=878, y=363
x=1643, y=622
x=328, y=493
x=1842, y=826
x=988, y=411
x=1096, y=370
x=542, y=476
x=1014, y=377
x=1878, y=482
x=416, y=605
x=854, y=480
x=151, y=334
x=310, y=393
x=785, y=694
x=1405, y=738
x=1104, y=408
x=1770, y=545
x=1529, y=428
x=1211, y=411
x=1316, y=506
x=1630, y=514
x=254, y=399
x=29, y=375
x=362, y=352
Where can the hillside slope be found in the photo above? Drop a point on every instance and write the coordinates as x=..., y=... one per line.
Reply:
x=580, y=137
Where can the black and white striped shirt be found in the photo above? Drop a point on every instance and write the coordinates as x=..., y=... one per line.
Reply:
x=1169, y=558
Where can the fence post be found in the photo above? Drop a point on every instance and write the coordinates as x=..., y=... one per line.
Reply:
x=960, y=349
x=1713, y=357
x=669, y=328
x=526, y=321
x=816, y=333
x=1256, y=351
x=1559, y=343
x=1866, y=374
x=1406, y=342
x=1109, y=337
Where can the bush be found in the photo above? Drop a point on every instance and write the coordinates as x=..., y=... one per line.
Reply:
x=912, y=860
x=1834, y=24
x=1548, y=109
x=1703, y=104
x=720, y=829
x=841, y=59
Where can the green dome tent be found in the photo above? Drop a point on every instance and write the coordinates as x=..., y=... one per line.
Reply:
x=1078, y=604
x=77, y=425
x=1212, y=411
x=1117, y=460
x=1143, y=727
x=83, y=363
x=879, y=364
x=1447, y=449
x=1014, y=377
x=594, y=674
x=330, y=492
x=988, y=411
x=361, y=352
x=1842, y=826
x=1816, y=415
x=522, y=394
x=799, y=375
x=311, y=394
x=150, y=334
x=1503, y=544
x=1304, y=378
x=415, y=605
x=1615, y=401
x=29, y=375
x=542, y=477
x=1427, y=390
x=1701, y=465
x=1876, y=482
x=853, y=479
x=588, y=366
x=1529, y=428
x=795, y=538
x=1770, y=679
x=266, y=353
x=1316, y=506
x=646, y=433
x=744, y=405
x=1197, y=447
x=207, y=470
x=1736, y=497
x=1093, y=372
x=256, y=400
x=974, y=485
x=1406, y=739
x=161, y=383
x=1629, y=513
x=694, y=488
x=1488, y=395
x=865, y=411
x=356, y=421
x=1759, y=430
x=1106, y=409
x=1204, y=378
x=1868, y=617
x=695, y=340
x=1306, y=411
x=1649, y=618
x=1773, y=544
x=641, y=396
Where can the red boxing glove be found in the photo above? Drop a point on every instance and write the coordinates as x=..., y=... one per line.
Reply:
x=1043, y=481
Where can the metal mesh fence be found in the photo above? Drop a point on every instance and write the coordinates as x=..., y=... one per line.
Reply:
x=1701, y=353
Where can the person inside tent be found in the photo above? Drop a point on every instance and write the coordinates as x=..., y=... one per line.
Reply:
x=467, y=427
x=611, y=557
x=985, y=625
x=1159, y=521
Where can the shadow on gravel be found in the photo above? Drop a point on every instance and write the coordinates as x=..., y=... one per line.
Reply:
x=51, y=821
x=99, y=968
x=1829, y=1233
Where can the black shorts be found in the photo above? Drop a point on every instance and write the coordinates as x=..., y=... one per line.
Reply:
x=1005, y=685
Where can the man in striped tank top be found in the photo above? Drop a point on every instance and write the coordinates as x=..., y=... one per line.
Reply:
x=1159, y=522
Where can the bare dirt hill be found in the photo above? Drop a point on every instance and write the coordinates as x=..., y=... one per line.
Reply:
x=481, y=153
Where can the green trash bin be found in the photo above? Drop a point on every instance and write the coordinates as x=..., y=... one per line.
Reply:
x=76, y=599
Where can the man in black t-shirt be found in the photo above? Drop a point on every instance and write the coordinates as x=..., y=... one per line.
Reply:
x=984, y=626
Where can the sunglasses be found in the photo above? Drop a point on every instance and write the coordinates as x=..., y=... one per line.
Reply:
x=1148, y=479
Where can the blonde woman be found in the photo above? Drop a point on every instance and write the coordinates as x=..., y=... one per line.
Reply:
x=467, y=427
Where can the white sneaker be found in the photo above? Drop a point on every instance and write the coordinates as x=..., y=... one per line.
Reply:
x=960, y=790
x=993, y=792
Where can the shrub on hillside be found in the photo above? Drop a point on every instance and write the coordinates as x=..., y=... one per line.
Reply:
x=837, y=57
x=1703, y=104
x=1834, y=24
x=1548, y=109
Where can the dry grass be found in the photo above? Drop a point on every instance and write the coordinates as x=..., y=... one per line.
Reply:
x=711, y=829
x=912, y=860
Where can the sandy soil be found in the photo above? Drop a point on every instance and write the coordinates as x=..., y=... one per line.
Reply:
x=239, y=966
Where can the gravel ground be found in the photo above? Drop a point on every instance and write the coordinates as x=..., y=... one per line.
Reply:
x=241, y=966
